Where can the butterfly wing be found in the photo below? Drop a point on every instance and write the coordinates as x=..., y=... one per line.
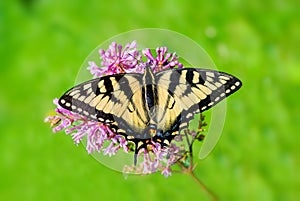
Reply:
x=117, y=100
x=112, y=100
x=195, y=90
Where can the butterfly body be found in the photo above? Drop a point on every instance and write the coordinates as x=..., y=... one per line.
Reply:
x=149, y=106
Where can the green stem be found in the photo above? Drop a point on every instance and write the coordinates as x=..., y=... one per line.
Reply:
x=202, y=185
x=190, y=169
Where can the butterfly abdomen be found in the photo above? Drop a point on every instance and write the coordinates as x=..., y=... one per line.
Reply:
x=149, y=92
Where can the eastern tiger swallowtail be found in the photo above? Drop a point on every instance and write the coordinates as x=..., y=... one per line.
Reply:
x=149, y=106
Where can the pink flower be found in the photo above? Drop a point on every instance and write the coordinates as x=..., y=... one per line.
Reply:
x=163, y=59
x=166, y=171
x=79, y=127
x=116, y=59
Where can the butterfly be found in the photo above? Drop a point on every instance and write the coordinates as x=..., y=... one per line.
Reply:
x=149, y=106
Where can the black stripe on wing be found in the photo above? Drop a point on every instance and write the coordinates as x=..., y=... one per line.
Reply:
x=220, y=85
x=83, y=98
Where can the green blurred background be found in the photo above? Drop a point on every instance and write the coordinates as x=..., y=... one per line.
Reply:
x=43, y=44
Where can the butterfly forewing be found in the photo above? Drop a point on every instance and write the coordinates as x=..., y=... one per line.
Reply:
x=101, y=99
x=197, y=90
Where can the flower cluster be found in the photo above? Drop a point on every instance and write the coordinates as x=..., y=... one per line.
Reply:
x=157, y=158
x=118, y=59
x=79, y=126
x=163, y=59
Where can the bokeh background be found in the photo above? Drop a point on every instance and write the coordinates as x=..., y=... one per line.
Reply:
x=43, y=44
